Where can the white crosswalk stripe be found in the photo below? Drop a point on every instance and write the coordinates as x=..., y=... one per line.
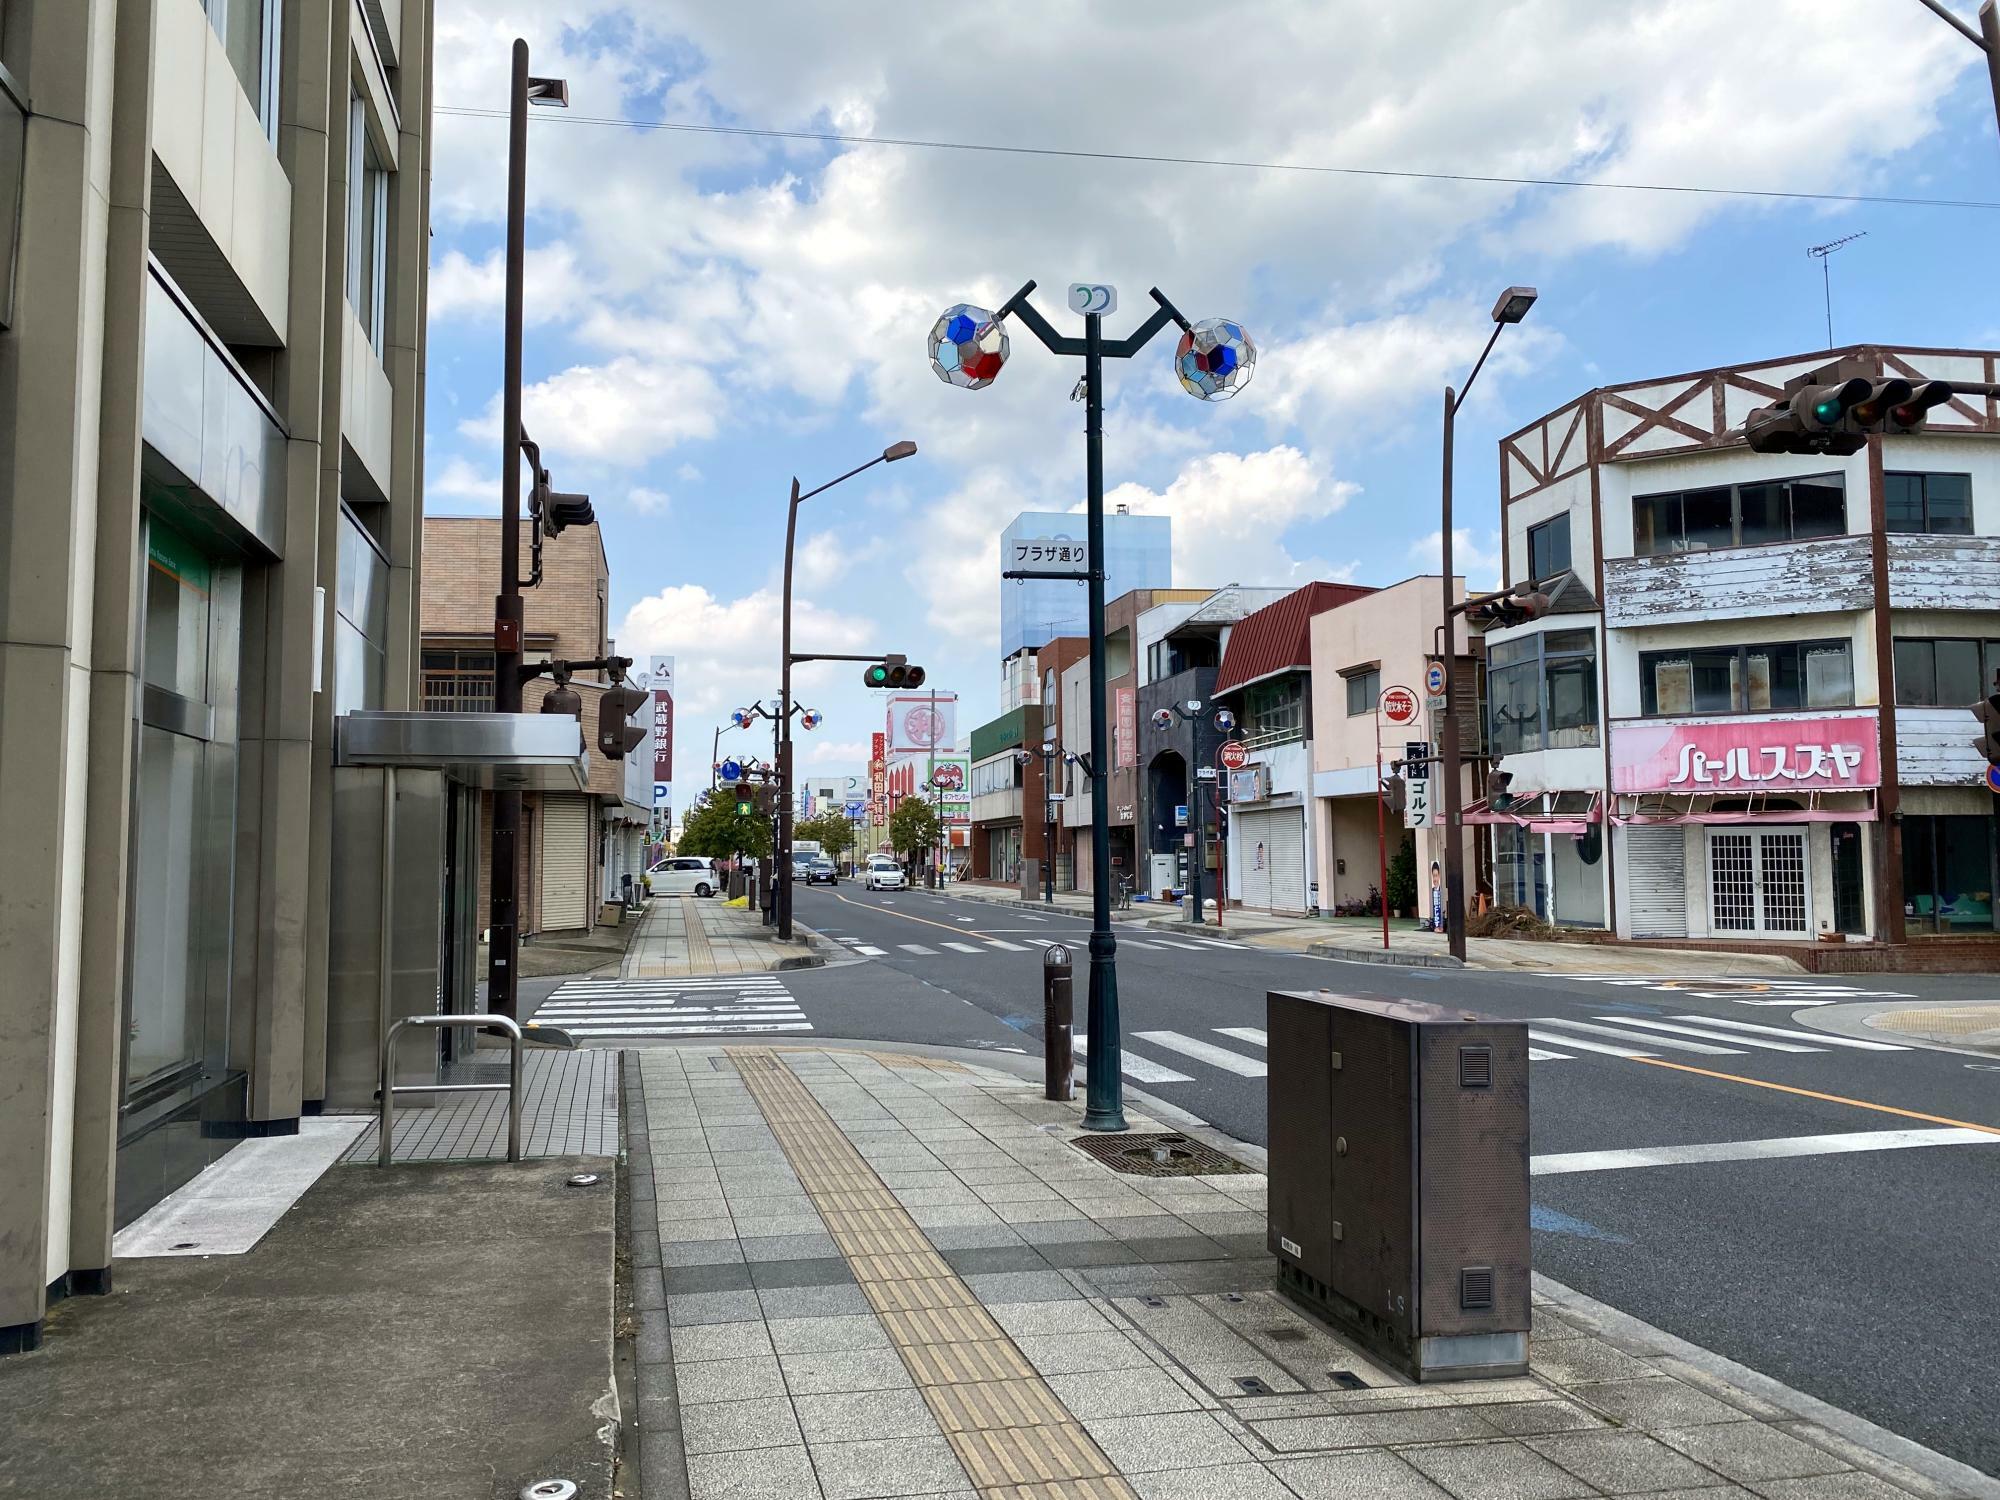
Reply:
x=1137, y=1068
x=965, y=947
x=1250, y=1034
x=1817, y=1038
x=919, y=949
x=1176, y=943
x=1208, y=1052
x=1010, y=947
x=1707, y=1036
x=1542, y=1054
x=667, y=1007
x=1797, y=993
x=1641, y=1037
x=1583, y=1045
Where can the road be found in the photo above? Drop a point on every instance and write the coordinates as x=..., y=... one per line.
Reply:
x=1834, y=1231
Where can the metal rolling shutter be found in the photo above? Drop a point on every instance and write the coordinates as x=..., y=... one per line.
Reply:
x=1252, y=830
x=1288, y=859
x=566, y=862
x=1656, y=880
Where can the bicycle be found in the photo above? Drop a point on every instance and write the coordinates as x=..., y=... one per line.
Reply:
x=1124, y=896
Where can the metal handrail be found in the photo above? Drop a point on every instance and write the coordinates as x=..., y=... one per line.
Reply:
x=512, y=1085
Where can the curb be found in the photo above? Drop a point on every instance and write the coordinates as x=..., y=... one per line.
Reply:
x=1388, y=956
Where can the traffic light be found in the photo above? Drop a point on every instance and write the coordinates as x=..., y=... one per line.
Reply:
x=746, y=800
x=1499, y=797
x=893, y=672
x=1395, y=791
x=560, y=510
x=1834, y=408
x=1987, y=711
x=1518, y=605
x=616, y=734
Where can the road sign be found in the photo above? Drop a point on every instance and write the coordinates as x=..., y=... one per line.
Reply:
x=730, y=772
x=1233, y=756
x=1092, y=297
x=1993, y=777
x=1434, y=678
x=1399, y=705
x=1180, y=815
x=1204, y=773
x=1417, y=802
x=852, y=809
x=1434, y=706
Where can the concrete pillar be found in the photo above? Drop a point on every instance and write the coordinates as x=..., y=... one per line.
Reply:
x=50, y=369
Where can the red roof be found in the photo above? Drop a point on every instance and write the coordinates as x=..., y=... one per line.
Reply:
x=1278, y=637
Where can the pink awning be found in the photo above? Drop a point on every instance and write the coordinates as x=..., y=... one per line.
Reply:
x=1545, y=812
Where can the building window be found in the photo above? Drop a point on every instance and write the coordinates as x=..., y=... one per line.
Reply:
x=1548, y=548
x=458, y=682
x=367, y=227
x=1948, y=873
x=1746, y=679
x=1948, y=673
x=1741, y=515
x=1542, y=691
x=1364, y=690
x=1001, y=774
x=1276, y=710
x=361, y=619
x=1940, y=504
x=249, y=33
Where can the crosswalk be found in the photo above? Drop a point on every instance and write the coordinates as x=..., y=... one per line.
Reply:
x=939, y=948
x=1552, y=1039
x=1797, y=994
x=734, y=1005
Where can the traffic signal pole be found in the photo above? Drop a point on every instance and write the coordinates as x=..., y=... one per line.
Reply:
x=1454, y=835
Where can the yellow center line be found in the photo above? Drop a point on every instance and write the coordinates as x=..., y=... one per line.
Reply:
x=892, y=912
x=1786, y=1088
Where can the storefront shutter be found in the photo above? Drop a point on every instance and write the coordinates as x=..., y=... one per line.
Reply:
x=1288, y=859
x=1656, y=878
x=566, y=862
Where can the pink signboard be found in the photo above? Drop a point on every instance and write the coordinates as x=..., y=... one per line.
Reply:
x=1125, y=747
x=1825, y=752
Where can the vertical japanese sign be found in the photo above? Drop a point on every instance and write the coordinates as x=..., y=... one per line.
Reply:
x=663, y=744
x=1125, y=752
x=878, y=766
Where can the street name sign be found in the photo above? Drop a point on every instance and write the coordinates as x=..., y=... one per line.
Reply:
x=1092, y=297
x=1399, y=705
x=1040, y=551
x=1204, y=773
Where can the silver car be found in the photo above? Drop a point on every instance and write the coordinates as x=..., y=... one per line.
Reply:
x=884, y=874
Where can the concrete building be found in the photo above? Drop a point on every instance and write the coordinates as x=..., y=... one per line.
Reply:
x=1761, y=732
x=1138, y=554
x=1383, y=639
x=211, y=443
x=1055, y=658
x=576, y=847
x=1010, y=813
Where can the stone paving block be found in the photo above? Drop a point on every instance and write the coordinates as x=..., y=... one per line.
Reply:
x=847, y=1415
x=1650, y=1405
x=1372, y=1430
x=973, y=1236
x=819, y=1374
x=1851, y=1485
x=1530, y=1418
x=1028, y=1191
x=712, y=1307
x=1495, y=1471
x=724, y=1276
x=812, y=1301
x=790, y=1247
x=1622, y=1463
x=1236, y=1481
x=735, y=1426
x=1051, y=1210
x=877, y=1467
x=832, y=1335
x=1356, y=1476
x=985, y=1260
x=1577, y=1361
x=821, y=1270
x=760, y=1474
x=1074, y=1353
x=710, y=1380
x=953, y=1216
x=1074, y=1316
x=1176, y=1440
x=1750, y=1451
x=1073, y=1254
x=997, y=1287
x=683, y=1231
x=720, y=1341
x=1123, y=1393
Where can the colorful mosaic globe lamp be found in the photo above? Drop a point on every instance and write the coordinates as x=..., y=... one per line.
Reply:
x=1215, y=359
x=968, y=346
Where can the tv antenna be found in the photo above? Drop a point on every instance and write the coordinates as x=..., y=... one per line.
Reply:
x=1822, y=253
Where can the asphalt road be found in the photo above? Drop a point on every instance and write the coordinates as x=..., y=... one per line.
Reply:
x=1860, y=1276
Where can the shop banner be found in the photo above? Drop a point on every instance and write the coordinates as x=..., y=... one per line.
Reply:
x=662, y=682
x=1824, y=752
x=922, y=722
x=1125, y=754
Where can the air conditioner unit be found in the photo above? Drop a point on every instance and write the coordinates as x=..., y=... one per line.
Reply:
x=1399, y=1178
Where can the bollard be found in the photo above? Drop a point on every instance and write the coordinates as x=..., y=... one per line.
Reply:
x=1058, y=1017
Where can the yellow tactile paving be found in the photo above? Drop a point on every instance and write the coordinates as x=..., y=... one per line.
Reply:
x=1015, y=1438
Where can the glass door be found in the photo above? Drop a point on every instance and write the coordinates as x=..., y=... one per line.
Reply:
x=1757, y=881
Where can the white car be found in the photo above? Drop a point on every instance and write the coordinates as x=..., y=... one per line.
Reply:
x=884, y=875
x=682, y=877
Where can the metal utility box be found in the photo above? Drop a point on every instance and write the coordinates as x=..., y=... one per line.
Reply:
x=1399, y=1178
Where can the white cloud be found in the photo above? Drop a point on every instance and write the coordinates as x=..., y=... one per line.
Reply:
x=648, y=501
x=1231, y=512
x=551, y=285
x=461, y=480
x=838, y=753
x=688, y=474
x=621, y=413
x=1475, y=557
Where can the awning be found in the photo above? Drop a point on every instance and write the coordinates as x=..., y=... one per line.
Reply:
x=505, y=752
x=1672, y=807
x=1545, y=812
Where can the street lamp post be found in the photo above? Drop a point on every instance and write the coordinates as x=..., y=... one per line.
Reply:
x=783, y=903
x=1511, y=308
x=1986, y=37
x=509, y=613
x=1192, y=713
x=968, y=348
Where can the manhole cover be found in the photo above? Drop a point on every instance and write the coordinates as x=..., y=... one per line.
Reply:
x=1158, y=1155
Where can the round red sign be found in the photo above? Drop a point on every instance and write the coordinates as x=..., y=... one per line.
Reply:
x=1399, y=705
x=1233, y=756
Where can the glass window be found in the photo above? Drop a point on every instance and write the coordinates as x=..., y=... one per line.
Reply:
x=1363, y=690
x=176, y=645
x=1764, y=511
x=1548, y=547
x=1945, y=673
x=1750, y=515
x=249, y=33
x=1937, y=503
x=1948, y=873
x=1706, y=520
x=1829, y=677
x=1277, y=708
x=458, y=682
x=1773, y=678
x=1958, y=672
x=1819, y=507
x=361, y=619
x=1542, y=691
x=1656, y=524
x=168, y=1010
x=367, y=226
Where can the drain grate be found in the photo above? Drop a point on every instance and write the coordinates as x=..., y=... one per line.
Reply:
x=1158, y=1155
x=1285, y=1335
x=1253, y=1385
x=1347, y=1380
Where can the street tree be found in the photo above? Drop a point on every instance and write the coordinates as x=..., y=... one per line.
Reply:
x=714, y=830
x=913, y=827
x=832, y=832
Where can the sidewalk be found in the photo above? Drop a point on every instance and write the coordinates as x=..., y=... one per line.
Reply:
x=1361, y=941
x=701, y=935
x=881, y=1275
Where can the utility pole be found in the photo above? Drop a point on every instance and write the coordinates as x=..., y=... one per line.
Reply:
x=1986, y=37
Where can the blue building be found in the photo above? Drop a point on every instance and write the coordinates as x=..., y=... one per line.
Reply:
x=1138, y=554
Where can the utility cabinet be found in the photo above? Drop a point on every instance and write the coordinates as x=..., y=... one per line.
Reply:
x=1398, y=1138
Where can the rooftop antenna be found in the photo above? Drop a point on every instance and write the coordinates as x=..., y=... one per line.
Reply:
x=1822, y=253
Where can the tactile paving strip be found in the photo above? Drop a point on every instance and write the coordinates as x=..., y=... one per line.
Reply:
x=1015, y=1438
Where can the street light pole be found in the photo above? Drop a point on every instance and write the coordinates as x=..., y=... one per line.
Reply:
x=1511, y=308
x=1986, y=37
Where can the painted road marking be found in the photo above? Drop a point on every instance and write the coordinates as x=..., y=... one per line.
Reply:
x=1176, y=943
x=1786, y=1088
x=1710, y=1036
x=1817, y=1038
x=1218, y=943
x=1137, y=1067
x=918, y=948
x=1747, y=991
x=1010, y=947
x=1764, y=1150
x=1583, y=1045
x=672, y=1007
x=868, y=950
x=1542, y=1054
x=1208, y=1052
x=1248, y=1034
x=965, y=947
x=1627, y=1036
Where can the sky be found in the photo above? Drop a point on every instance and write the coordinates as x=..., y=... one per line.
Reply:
x=712, y=314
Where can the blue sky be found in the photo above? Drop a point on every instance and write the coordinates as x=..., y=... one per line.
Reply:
x=710, y=315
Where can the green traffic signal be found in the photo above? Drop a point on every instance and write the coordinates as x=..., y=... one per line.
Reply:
x=878, y=676
x=1827, y=411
